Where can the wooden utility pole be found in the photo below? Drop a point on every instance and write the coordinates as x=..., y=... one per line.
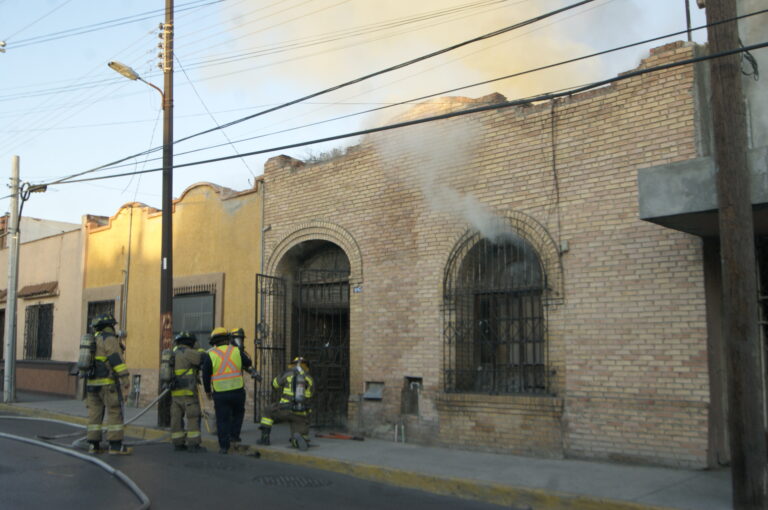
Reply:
x=166, y=255
x=737, y=243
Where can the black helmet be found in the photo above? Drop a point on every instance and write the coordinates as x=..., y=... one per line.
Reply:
x=102, y=321
x=186, y=338
x=237, y=333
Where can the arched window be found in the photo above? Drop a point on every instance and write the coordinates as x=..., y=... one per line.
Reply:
x=494, y=317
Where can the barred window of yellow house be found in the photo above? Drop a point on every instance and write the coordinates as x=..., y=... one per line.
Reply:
x=194, y=312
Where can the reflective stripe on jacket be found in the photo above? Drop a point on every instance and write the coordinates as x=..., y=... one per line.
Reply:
x=108, y=360
x=286, y=381
x=227, y=372
x=187, y=363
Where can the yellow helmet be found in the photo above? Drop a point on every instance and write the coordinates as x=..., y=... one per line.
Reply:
x=237, y=332
x=303, y=363
x=219, y=335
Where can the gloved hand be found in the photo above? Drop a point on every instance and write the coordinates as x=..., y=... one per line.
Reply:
x=255, y=374
x=126, y=386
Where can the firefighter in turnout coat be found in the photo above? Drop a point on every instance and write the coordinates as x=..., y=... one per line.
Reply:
x=222, y=371
x=295, y=387
x=107, y=381
x=185, y=403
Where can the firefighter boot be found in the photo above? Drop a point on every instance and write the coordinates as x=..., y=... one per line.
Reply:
x=118, y=448
x=298, y=441
x=264, y=440
x=94, y=447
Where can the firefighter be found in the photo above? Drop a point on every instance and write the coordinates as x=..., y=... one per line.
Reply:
x=295, y=387
x=222, y=371
x=185, y=400
x=106, y=383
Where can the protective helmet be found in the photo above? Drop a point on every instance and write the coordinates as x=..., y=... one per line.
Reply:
x=303, y=363
x=186, y=338
x=102, y=321
x=219, y=335
x=237, y=333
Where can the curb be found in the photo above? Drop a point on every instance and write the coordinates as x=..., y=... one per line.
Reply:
x=515, y=498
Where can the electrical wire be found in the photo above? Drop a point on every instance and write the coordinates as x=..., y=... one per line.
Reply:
x=103, y=25
x=189, y=80
x=348, y=83
x=419, y=99
x=36, y=21
x=469, y=111
x=398, y=66
x=86, y=102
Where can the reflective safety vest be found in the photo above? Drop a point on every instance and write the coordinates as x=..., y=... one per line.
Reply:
x=227, y=368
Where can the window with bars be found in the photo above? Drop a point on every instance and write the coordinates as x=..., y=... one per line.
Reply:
x=194, y=312
x=38, y=332
x=494, y=317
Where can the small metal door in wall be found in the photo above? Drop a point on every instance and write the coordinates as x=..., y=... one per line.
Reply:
x=269, y=340
x=321, y=335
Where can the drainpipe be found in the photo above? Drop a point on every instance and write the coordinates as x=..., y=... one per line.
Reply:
x=126, y=280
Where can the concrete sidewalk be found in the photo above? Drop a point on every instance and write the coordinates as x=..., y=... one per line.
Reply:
x=514, y=482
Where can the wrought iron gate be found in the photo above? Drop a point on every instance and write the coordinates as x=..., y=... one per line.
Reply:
x=321, y=335
x=269, y=340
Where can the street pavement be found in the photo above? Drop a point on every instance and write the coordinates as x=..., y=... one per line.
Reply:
x=520, y=483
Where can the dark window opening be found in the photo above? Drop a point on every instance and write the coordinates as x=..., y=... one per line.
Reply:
x=195, y=313
x=494, y=318
x=38, y=332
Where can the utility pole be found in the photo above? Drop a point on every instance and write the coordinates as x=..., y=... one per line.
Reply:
x=737, y=244
x=9, y=378
x=166, y=269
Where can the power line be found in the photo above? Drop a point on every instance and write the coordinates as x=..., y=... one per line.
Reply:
x=469, y=111
x=348, y=83
x=444, y=92
x=396, y=67
x=104, y=24
x=211, y=115
x=37, y=20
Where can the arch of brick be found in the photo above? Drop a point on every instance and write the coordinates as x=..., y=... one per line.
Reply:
x=324, y=231
x=540, y=239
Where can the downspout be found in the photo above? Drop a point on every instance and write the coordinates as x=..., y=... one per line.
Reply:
x=126, y=279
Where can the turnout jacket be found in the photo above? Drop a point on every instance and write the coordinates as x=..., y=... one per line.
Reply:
x=108, y=360
x=186, y=363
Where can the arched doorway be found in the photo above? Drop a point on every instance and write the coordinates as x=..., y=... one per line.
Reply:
x=304, y=311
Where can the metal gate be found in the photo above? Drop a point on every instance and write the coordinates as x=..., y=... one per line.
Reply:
x=321, y=335
x=269, y=341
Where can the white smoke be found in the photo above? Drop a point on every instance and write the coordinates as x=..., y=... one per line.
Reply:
x=437, y=158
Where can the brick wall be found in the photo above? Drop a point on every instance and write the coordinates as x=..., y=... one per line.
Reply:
x=626, y=339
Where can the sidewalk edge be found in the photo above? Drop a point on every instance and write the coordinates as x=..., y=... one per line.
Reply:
x=514, y=497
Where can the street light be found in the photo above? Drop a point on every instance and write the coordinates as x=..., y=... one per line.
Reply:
x=166, y=265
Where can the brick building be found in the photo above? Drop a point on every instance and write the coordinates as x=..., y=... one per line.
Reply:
x=486, y=282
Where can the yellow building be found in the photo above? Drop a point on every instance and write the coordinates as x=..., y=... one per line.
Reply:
x=216, y=256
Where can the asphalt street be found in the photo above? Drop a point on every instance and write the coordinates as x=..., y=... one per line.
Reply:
x=33, y=476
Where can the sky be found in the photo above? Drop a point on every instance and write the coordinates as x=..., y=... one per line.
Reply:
x=63, y=111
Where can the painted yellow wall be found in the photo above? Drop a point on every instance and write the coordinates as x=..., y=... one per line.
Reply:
x=215, y=230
